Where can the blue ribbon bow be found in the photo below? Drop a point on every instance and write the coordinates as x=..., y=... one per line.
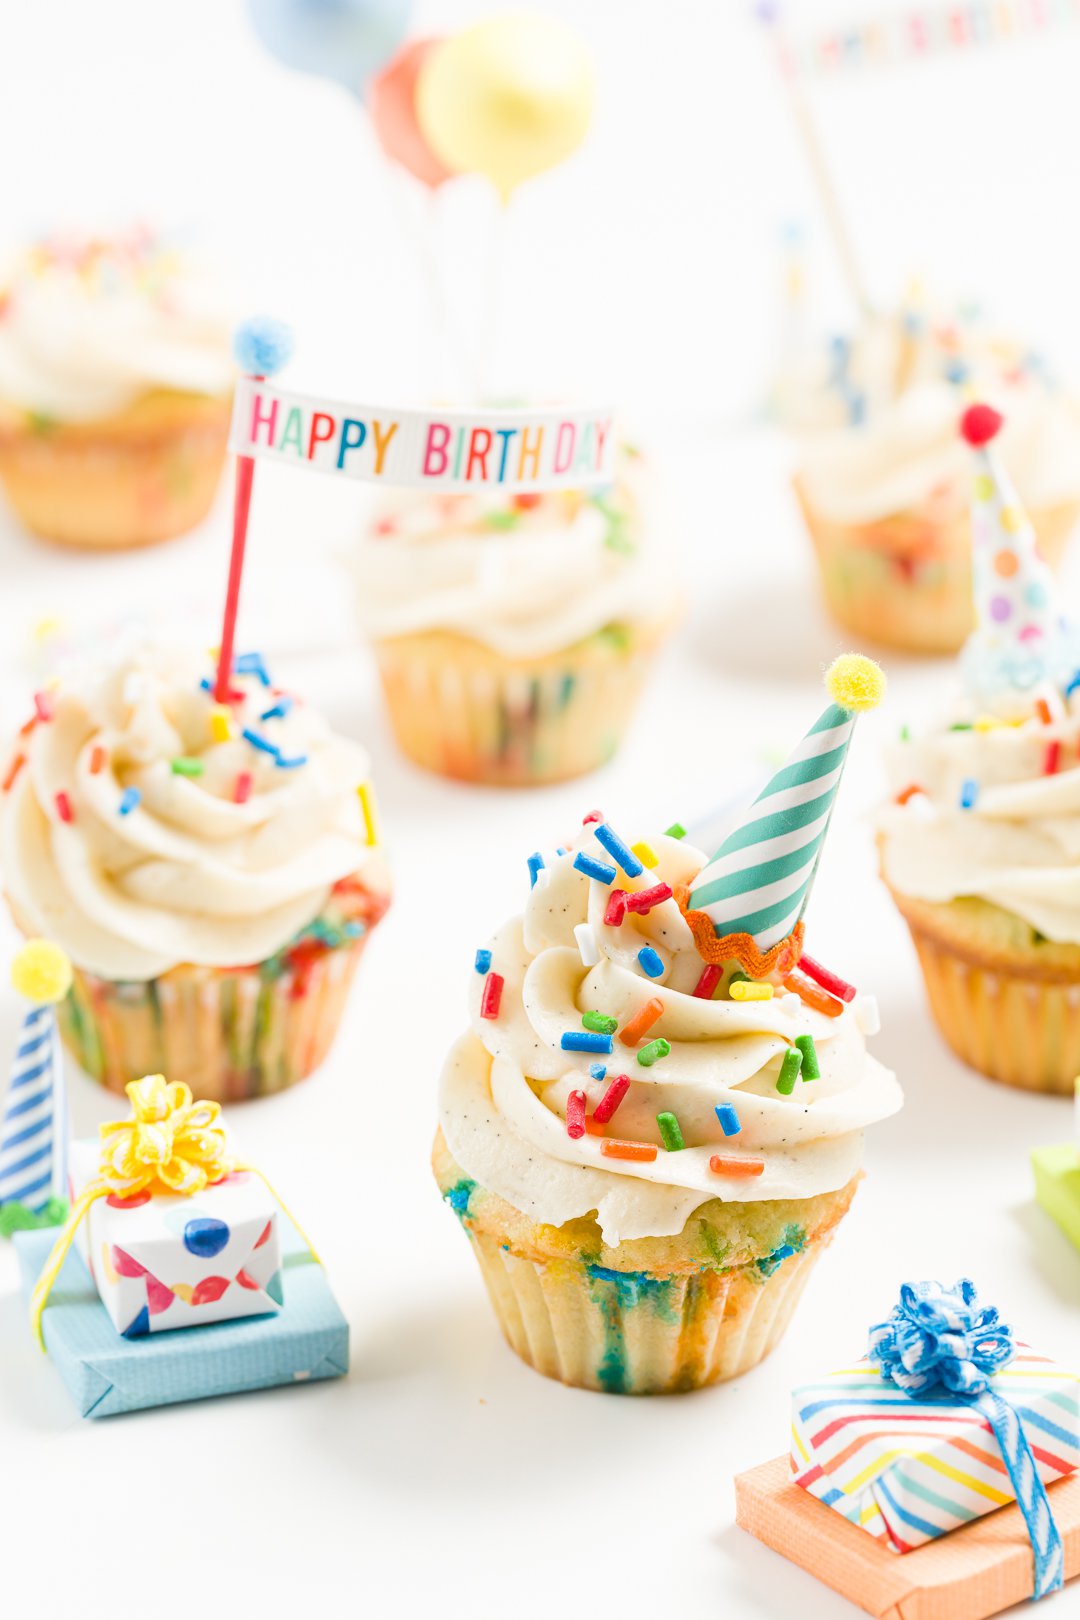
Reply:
x=942, y=1337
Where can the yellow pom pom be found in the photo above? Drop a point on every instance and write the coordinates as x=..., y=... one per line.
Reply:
x=855, y=682
x=41, y=971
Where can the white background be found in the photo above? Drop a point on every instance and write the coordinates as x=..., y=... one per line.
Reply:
x=442, y=1477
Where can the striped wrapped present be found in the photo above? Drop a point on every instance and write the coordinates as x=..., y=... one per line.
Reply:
x=909, y=1468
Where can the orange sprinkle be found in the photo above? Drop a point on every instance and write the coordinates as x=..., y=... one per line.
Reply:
x=814, y=996
x=640, y=1152
x=27, y=726
x=593, y=1127
x=13, y=770
x=908, y=793
x=643, y=1020
x=1042, y=709
x=723, y=1165
x=97, y=759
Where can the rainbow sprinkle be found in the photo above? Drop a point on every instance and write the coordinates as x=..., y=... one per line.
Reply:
x=708, y=982
x=242, y=787
x=653, y=1052
x=220, y=729
x=650, y=961
x=98, y=756
x=616, y=908
x=969, y=792
x=588, y=949
x=722, y=1164
x=832, y=982
x=676, y=830
x=750, y=990
x=789, y=1071
x=575, y=1114
x=535, y=864
x=670, y=1132
x=811, y=1069
x=643, y=900
x=597, y=1071
x=263, y=744
x=611, y=1099
x=593, y=868
x=576, y=1040
x=646, y=854
x=491, y=1000
x=182, y=766
x=252, y=663
x=640, y=1152
x=128, y=800
x=482, y=961
x=620, y=852
x=63, y=808
x=600, y=1023
x=278, y=710
x=729, y=1119
x=370, y=812
x=45, y=706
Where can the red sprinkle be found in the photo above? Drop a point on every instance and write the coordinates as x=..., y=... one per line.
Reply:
x=616, y=908
x=1053, y=758
x=828, y=981
x=593, y=815
x=13, y=770
x=1042, y=709
x=644, y=900
x=575, y=1114
x=708, y=981
x=43, y=703
x=611, y=1099
x=908, y=793
x=98, y=757
x=63, y=807
x=242, y=790
x=491, y=999
x=722, y=1165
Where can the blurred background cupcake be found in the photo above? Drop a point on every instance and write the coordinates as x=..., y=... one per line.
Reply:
x=980, y=847
x=116, y=379
x=513, y=633
x=212, y=870
x=882, y=478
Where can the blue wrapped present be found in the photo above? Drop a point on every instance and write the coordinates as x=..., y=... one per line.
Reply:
x=106, y=1373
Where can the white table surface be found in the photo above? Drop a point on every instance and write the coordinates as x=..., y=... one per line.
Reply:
x=443, y=1476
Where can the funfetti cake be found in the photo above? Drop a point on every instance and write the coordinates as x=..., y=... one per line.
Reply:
x=655, y=1121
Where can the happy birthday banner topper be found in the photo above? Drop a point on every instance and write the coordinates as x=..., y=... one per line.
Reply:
x=451, y=450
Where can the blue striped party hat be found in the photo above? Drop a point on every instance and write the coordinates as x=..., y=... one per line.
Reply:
x=759, y=880
x=34, y=1132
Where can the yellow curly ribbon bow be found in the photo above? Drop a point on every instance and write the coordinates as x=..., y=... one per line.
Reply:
x=173, y=1145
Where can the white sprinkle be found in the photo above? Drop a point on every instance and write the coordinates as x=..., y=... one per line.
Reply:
x=586, y=944
x=867, y=1016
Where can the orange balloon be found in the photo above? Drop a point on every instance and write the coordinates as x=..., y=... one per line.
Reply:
x=392, y=105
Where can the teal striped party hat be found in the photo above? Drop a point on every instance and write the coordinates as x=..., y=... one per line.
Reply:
x=759, y=880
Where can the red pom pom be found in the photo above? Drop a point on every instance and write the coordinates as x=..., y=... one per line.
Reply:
x=980, y=423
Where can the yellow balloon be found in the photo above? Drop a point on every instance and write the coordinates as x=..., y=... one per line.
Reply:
x=507, y=98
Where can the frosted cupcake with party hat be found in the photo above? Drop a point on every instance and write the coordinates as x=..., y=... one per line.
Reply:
x=981, y=846
x=655, y=1122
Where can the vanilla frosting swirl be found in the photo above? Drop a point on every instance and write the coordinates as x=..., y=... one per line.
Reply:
x=524, y=575
x=87, y=327
x=187, y=874
x=1016, y=846
x=505, y=1086
x=875, y=419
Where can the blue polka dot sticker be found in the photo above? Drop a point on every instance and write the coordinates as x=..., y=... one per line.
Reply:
x=205, y=1237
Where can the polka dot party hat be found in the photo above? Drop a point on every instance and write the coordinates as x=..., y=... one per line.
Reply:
x=1020, y=640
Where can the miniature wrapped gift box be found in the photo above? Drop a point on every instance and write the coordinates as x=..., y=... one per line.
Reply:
x=909, y=1470
x=1057, y=1185
x=165, y=1261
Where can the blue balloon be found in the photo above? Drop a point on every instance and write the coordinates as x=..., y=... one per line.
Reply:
x=344, y=40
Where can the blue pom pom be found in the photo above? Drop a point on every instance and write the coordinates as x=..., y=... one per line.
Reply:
x=262, y=346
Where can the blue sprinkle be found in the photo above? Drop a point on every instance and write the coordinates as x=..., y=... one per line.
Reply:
x=562, y=850
x=483, y=961
x=352, y=930
x=278, y=710
x=290, y=764
x=729, y=1119
x=129, y=799
x=969, y=792
x=262, y=743
x=207, y=685
x=597, y=1071
x=957, y=371
x=536, y=866
x=594, y=869
x=252, y=664
x=1073, y=684
x=262, y=346
x=576, y=1040
x=651, y=961
x=618, y=850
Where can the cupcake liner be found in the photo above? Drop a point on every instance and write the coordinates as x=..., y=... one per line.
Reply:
x=905, y=580
x=1020, y=1028
x=463, y=711
x=115, y=488
x=631, y=1333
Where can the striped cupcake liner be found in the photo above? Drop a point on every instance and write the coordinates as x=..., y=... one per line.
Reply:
x=459, y=711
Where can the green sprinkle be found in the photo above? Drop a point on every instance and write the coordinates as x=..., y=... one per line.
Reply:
x=789, y=1071
x=676, y=830
x=617, y=636
x=655, y=1050
x=600, y=1023
x=186, y=767
x=961, y=725
x=502, y=520
x=738, y=976
x=905, y=734
x=811, y=1070
x=671, y=1133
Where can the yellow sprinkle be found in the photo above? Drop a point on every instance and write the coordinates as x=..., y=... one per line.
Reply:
x=751, y=990
x=41, y=971
x=45, y=628
x=371, y=813
x=986, y=722
x=645, y=854
x=220, y=728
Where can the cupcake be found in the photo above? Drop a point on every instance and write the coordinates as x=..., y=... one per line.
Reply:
x=116, y=379
x=882, y=480
x=980, y=847
x=513, y=633
x=655, y=1122
x=211, y=871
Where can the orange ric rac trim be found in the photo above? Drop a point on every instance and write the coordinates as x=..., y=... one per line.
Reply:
x=640, y=1152
x=813, y=995
x=715, y=948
